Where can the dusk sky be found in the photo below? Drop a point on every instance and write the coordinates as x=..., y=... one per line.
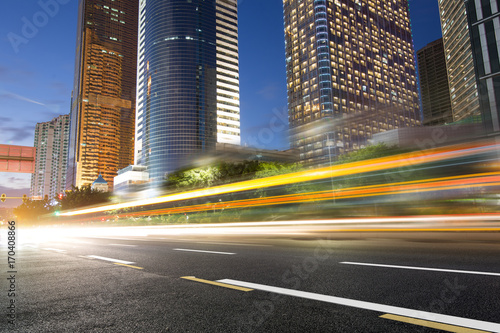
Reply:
x=36, y=70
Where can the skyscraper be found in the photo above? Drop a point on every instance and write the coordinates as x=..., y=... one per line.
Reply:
x=436, y=102
x=459, y=62
x=350, y=73
x=103, y=101
x=187, y=82
x=51, y=143
x=484, y=25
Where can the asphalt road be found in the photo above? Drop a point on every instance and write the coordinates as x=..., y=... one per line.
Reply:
x=322, y=282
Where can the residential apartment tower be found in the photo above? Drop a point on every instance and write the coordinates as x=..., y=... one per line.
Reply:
x=51, y=143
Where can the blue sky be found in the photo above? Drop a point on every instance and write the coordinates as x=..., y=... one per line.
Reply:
x=37, y=54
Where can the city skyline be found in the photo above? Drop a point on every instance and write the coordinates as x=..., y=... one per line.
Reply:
x=37, y=79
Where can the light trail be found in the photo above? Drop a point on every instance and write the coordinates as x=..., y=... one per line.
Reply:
x=361, y=167
x=425, y=185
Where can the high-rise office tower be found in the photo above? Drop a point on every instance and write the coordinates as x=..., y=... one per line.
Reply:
x=350, y=73
x=51, y=143
x=187, y=82
x=459, y=62
x=484, y=25
x=436, y=102
x=103, y=101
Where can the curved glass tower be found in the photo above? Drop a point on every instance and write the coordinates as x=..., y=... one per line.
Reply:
x=178, y=74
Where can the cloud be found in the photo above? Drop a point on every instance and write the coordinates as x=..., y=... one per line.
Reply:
x=20, y=187
x=19, y=181
x=54, y=106
x=9, y=95
x=16, y=134
x=10, y=75
x=60, y=88
x=269, y=92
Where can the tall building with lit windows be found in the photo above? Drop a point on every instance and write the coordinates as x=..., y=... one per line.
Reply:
x=187, y=82
x=459, y=60
x=436, y=102
x=103, y=100
x=350, y=73
x=51, y=143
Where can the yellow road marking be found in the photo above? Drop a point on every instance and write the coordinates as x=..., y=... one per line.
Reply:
x=432, y=324
x=192, y=278
x=117, y=263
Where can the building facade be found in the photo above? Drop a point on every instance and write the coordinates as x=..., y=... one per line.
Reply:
x=459, y=62
x=51, y=143
x=187, y=82
x=436, y=102
x=350, y=73
x=484, y=23
x=103, y=100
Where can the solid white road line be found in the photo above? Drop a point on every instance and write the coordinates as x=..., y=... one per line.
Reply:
x=422, y=268
x=445, y=319
x=216, y=252
x=51, y=249
x=112, y=260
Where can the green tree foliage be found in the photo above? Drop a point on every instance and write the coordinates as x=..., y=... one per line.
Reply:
x=32, y=210
x=230, y=172
x=374, y=151
x=225, y=172
x=211, y=175
x=269, y=169
x=82, y=196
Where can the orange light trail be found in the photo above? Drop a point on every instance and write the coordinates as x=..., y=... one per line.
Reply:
x=426, y=185
x=383, y=163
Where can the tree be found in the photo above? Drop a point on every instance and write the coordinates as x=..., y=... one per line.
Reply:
x=269, y=169
x=32, y=210
x=227, y=172
x=82, y=196
x=374, y=151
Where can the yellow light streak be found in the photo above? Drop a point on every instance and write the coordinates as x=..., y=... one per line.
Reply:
x=423, y=185
x=390, y=162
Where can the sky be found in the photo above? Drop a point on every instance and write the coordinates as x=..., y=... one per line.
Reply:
x=37, y=52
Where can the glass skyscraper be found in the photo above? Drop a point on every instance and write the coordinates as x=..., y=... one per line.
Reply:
x=187, y=82
x=103, y=101
x=350, y=73
x=459, y=61
x=484, y=25
x=436, y=103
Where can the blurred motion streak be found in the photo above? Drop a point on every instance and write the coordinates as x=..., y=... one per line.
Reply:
x=428, y=165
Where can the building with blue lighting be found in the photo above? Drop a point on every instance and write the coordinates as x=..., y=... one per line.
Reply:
x=187, y=82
